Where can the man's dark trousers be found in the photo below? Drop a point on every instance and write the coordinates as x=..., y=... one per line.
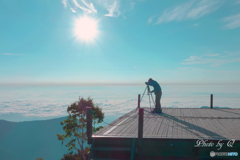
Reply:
x=157, y=99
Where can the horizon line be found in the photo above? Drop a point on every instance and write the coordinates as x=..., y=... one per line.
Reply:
x=108, y=84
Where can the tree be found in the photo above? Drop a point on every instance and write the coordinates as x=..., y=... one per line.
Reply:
x=75, y=126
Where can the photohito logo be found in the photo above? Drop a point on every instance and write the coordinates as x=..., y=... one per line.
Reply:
x=232, y=153
x=212, y=153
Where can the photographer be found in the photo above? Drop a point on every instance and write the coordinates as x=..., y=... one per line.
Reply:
x=157, y=90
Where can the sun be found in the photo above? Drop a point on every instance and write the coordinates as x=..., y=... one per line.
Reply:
x=85, y=28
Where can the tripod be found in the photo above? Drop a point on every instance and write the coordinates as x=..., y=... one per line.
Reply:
x=149, y=94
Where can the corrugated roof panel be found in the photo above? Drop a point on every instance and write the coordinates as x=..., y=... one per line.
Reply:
x=186, y=123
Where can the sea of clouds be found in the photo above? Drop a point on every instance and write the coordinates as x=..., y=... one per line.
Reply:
x=45, y=102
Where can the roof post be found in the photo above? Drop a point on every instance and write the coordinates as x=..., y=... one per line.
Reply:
x=140, y=124
x=138, y=100
x=211, y=101
x=89, y=124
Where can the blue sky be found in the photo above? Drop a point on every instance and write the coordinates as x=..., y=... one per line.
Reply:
x=174, y=42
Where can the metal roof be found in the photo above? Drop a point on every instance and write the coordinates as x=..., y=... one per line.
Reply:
x=179, y=123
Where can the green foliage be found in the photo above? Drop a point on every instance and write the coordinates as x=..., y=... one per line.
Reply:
x=98, y=128
x=70, y=156
x=75, y=126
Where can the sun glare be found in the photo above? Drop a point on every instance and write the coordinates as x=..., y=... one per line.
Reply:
x=85, y=28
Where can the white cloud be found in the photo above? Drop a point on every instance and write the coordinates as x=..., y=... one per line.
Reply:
x=232, y=21
x=11, y=54
x=194, y=60
x=72, y=10
x=50, y=102
x=112, y=6
x=85, y=10
x=88, y=9
x=194, y=25
x=212, y=55
x=189, y=10
x=237, y=2
x=34, y=108
x=47, y=108
x=229, y=53
x=64, y=3
x=150, y=19
x=113, y=9
x=90, y=6
x=132, y=5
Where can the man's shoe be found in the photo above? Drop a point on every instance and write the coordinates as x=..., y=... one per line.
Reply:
x=153, y=110
x=158, y=110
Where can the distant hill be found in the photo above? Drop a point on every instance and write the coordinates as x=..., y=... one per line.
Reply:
x=30, y=140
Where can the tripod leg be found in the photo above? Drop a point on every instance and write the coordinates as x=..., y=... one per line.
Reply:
x=153, y=100
x=143, y=94
x=149, y=101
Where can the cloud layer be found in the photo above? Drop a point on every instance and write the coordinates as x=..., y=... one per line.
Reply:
x=213, y=60
x=188, y=10
x=53, y=102
x=232, y=21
